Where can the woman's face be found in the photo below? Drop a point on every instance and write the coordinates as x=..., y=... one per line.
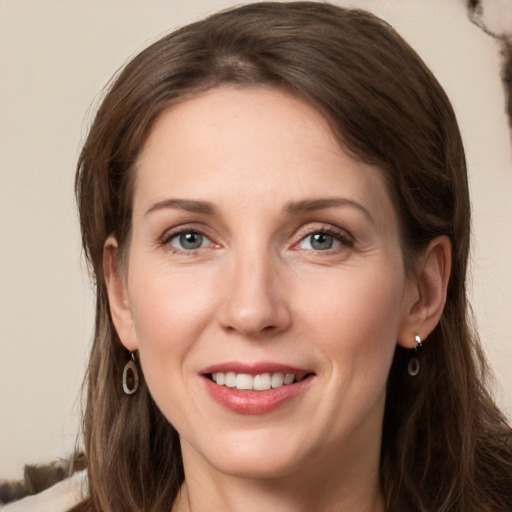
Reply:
x=260, y=249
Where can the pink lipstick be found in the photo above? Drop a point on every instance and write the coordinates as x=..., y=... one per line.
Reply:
x=255, y=388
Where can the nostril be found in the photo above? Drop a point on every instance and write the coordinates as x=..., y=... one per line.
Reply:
x=251, y=305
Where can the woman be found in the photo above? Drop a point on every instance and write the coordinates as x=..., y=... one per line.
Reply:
x=275, y=208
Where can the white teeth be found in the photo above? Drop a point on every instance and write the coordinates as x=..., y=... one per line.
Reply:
x=230, y=379
x=289, y=378
x=262, y=382
x=244, y=381
x=277, y=380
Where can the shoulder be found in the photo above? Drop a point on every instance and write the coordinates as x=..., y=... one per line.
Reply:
x=58, y=498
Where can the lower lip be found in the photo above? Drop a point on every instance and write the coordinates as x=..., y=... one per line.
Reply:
x=255, y=402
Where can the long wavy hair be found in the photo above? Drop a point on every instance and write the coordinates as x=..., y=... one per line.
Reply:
x=446, y=447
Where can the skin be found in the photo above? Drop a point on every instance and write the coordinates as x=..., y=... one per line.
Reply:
x=258, y=289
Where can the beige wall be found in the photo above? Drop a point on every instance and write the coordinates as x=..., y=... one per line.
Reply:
x=55, y=56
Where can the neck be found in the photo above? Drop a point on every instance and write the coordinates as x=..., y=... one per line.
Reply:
x=257, y=497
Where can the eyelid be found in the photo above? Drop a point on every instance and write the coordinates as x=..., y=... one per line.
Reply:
x=172, y=233
x=340, y=234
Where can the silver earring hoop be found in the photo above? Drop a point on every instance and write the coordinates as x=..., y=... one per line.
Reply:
x=413, y=368
x=130, y=376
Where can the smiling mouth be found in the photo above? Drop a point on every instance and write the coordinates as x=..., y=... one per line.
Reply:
x=260, y=382
x=257, y=388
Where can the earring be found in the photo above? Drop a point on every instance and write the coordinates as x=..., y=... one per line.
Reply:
x=130, y=376
x=413, y=368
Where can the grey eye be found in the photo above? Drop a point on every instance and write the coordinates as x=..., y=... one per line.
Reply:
x=319, y=242
x=188, y=241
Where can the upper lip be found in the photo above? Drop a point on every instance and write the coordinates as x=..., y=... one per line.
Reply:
x=256, y=368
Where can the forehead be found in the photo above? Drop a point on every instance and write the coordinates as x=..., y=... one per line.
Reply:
x=225, y=116
x=249, y=142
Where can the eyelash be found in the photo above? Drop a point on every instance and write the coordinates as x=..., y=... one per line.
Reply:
x=170, y=236
x=343, y=237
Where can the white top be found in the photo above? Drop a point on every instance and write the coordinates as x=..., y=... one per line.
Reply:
x=58, y=498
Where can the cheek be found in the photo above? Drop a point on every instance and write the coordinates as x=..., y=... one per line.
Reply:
x=169, y=311
x=356, y=316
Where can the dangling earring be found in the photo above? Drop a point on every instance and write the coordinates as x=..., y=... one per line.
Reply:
x=413, y=368
x=130, y=376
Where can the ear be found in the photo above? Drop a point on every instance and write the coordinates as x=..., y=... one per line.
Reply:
x=118, y=298
x=426, y=295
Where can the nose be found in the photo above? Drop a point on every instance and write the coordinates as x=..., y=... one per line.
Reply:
x=254, y=302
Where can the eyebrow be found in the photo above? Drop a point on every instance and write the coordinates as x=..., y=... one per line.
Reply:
x=189, y=205
x=293, y=207
x=310, y=205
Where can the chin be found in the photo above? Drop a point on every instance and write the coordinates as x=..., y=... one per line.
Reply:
x=255, y=467
x=252, y=455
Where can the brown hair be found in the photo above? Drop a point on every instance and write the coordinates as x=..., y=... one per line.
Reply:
x=446, y=447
